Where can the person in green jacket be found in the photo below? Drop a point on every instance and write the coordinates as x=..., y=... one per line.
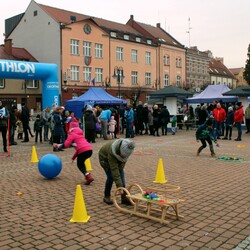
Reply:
x=113, y=157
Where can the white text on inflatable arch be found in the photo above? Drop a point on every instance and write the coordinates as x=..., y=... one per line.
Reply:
x=17, y=67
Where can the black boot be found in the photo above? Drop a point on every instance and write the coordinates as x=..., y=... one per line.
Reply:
x=107, y=200
x=125, y=200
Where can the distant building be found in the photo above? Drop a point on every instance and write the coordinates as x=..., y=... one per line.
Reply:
x=197, y=65
x=238, y=74
x=15, y=91
x=220, y=74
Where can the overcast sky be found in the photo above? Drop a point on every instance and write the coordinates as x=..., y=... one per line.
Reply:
x=221, y=26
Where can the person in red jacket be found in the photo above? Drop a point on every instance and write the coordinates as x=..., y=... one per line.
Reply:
x=238, y=119
x=220, y=115
x=83, y=149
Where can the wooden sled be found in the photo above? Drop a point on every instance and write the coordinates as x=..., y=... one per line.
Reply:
x=151, y=209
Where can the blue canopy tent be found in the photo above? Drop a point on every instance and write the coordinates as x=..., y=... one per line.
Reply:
x=211, y=93
x=93, y=96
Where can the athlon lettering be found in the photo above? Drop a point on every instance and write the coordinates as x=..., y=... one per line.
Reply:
x=17, y=67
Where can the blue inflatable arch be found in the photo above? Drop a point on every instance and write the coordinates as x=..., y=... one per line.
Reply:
x=45, y=72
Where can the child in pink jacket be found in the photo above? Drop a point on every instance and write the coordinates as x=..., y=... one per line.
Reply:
x=83, y=149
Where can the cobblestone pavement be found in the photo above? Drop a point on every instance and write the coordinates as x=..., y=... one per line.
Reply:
x=35, y=212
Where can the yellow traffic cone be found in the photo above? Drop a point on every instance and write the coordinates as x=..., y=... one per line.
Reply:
x=34, y=155
x=88, y=165
x=160, y=176
x=79, y=213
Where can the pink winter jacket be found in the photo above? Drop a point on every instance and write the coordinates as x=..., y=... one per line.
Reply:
x=75, y=135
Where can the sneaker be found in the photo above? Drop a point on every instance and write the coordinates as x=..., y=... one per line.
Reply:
x=108, y=200
x=224, y=138
x=213, y=154
x=237, y=139
x=198, y=153
x=88, y=178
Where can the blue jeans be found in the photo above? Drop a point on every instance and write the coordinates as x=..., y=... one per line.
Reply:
x=239, y=128
x=110, y=180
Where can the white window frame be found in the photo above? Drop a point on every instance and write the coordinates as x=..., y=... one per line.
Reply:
x=99, y=75
x=134, y=77
x=166, y=80
x=119, y=54
x=166, y=60
x=134, y=56
x=86, y=48
x=138, y=39
x=98, y=50
x=147, y=57
x=87, y=74
x=178, y=62
x=126, y=37
x=147, y=78
x=74, y=73
x=113, y=34
x=32, y=84
x=178, y=81
x=74, y=47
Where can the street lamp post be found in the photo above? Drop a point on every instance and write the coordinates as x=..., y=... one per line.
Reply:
x=118, y=74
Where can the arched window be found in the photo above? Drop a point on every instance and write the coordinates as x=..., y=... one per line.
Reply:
x=178, y=62
x=166, y=80
x=166, y=60
x=178, y=81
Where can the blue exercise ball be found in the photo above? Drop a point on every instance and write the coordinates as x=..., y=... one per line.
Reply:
x=49, y=166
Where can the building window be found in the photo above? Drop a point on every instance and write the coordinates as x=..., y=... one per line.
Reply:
x=166, y=60
x=74, y=47
x=35, y=13
x=138, y=39
x=119, y=53
x=178, y=81
x=113, y=34
x=166, y=80
x=2, y=83
x=147, y=78
x=87, y=74
x=32, y=84
x=178, y=62
x=134, y=77
x=87, y=48
x=126, y=37
x=74, y=73
x=149, y=41
x=99, y=75
x=134, y=56
x=148, y=57
x=98, y=50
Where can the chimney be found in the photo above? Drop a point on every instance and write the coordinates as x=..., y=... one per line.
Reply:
x=8, y=46
x=220, y=59
x=132, y=17
x=158, y=25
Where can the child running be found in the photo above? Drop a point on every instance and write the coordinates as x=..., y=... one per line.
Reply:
x=83, y=149
x=204, y=133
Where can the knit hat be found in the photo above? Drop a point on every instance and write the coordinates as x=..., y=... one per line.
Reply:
x=122, y=149
x=230, y=109
x=73, y=125
x=126, y=148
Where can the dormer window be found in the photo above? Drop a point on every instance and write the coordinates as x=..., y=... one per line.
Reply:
x=138, y=39
x=126, y=37
x=113, y=34
x=149, y=41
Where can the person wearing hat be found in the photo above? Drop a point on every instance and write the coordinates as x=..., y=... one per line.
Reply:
x=83, y=149
x=229, y=123
x=204, y=133
x=238, y=119
x=112, y=157
x=25, y=118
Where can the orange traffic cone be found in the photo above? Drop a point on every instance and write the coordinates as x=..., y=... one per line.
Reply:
x=160, y=176
x=88, y=165
x=79, y=213
x=34, y=155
